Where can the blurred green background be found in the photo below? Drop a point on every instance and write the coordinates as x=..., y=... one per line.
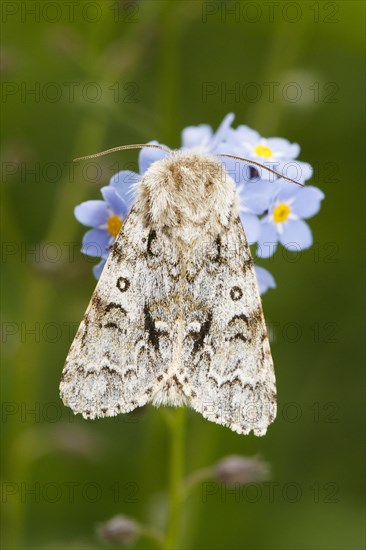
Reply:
x=111, y=73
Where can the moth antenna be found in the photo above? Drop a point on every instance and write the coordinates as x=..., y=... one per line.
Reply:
x=261, y=166
x=122, y=147
x=153, y=146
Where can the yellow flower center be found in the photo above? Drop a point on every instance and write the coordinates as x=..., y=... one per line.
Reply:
x=114, y=225
x=281, y=213
x=263, y=151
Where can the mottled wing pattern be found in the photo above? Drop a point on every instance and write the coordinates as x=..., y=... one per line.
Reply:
x=123, y=348
x=227, y=371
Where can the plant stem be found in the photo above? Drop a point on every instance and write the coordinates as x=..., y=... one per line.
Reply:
x=177, y=425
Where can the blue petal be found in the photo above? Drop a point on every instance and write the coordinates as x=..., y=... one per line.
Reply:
x=148, y=155
x=295, y=169
x=196, y=136
x=124, y=183
x=96, y=242
x=92, y=213
x=280, y=145
x=296, y=235
x=244, y=135
x=307, y=202
x=265, y=279
x=252, y=226
x=97, y=269
x=115, y=202
x=267, y=242
x=256, y=196
x=286, y=190
x=238, y=170
x=221, y=132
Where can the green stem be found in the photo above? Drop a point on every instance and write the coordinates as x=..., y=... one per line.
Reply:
x=177, y=425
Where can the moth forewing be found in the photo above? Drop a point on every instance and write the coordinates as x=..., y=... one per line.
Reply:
x=119, y=353
x=176, y=317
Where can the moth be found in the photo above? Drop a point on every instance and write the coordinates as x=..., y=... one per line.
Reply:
x=176, y=317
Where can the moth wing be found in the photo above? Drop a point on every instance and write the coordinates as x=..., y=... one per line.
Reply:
x=227, y=372
x=123, y=347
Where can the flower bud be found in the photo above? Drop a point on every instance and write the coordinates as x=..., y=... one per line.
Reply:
x=119, y=530
x=239, y=469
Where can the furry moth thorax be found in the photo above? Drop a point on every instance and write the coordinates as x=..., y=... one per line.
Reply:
x=185, y=193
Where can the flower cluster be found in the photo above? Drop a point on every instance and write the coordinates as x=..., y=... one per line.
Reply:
x=272, y=209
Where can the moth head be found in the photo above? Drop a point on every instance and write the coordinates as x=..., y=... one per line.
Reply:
x=187, y=190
